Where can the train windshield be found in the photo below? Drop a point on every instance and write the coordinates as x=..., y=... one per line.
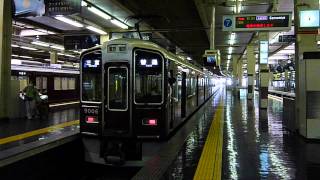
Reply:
x=91, y=76
x=148, y=77
x=118, y=88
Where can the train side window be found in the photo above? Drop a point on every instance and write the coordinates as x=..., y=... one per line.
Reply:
x=148, y=77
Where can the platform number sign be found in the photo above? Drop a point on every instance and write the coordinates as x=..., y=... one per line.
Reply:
x=228, y=23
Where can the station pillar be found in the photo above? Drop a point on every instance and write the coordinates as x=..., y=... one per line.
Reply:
x=5, y=56
x=307, y=65
x=263, y=75
x=251, y=61
x=53, y=57
x=240, y=71
x=234, y=71
x=212, y=28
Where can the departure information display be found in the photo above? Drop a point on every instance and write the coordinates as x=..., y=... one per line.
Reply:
x=257, y=22
x=262, y=21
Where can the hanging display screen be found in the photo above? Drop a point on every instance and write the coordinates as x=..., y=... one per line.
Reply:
x=262, y=21
x=257, y=22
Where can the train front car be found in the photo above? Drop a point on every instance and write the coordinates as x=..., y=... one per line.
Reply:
x=134, y=90
x=134, y=98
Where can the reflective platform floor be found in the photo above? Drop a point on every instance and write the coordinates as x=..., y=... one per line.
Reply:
x=17, y=132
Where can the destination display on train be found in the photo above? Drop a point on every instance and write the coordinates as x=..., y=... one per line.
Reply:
x=262, y=21
x=257, y=22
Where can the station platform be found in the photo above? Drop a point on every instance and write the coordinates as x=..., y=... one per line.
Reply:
x=20, y=137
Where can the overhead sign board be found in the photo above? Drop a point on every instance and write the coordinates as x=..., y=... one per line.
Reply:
x=309, y=19
x=62, y=7
x=257, y=22
x=81, y=42
x=29, y=8
x=287, y=38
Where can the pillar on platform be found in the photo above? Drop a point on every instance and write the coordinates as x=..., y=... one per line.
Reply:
x=251, y=61
x=263, y=70
x=5, y=56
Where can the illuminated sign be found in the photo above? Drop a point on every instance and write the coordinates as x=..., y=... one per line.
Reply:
x=91, y=63
x=309, y=18
x=144, y=62
x=29, y=7
x=258, y=22
x=264, y=52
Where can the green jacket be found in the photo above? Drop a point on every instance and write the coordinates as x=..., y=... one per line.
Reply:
x=31, y=92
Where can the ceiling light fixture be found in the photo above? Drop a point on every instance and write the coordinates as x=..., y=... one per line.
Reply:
x=28, y=48
x=94, y=29
x=39, y=43
x=68, y=21
x=83, y=3
x=230, y=50
x=120, y=24
x=57, y=47
x=26, y=57
x=99, y=12
x=13, y=45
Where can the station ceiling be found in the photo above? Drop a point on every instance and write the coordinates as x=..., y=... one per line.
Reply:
x=174, y=23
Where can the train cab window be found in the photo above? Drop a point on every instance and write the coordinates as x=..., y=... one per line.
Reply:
x=91, y=76
x=118, y=88
x=148, y=77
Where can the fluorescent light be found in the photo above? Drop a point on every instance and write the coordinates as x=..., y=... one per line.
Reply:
x=229, y=56
x=189, y=58
x=60, y=54
x=16, y=61
x=39, y=43
x=229, y=50
x=45, y=31
x=120, y=24
x=60, y=61
x=57, y=47
x=286, y=51
x=318, y=42
x=232, y=38
x=27, y=57
x=99, y=12
x=78, y=52
x=14, y=55
x=47, y=59
x=13, y=45
x=83, y=3
x=69, y=55
x=28, y=48
x=69, y=21
x=91, y=28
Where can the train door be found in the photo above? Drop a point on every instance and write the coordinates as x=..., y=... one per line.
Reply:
x=117, y=114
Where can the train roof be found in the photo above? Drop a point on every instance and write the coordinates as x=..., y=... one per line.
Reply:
x=152, y=46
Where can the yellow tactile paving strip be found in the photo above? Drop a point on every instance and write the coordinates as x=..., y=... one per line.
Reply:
x=37, y=132
x=210, y=163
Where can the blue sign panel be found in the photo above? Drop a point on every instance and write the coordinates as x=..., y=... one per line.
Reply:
x=29, y=7
x=227, y=22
